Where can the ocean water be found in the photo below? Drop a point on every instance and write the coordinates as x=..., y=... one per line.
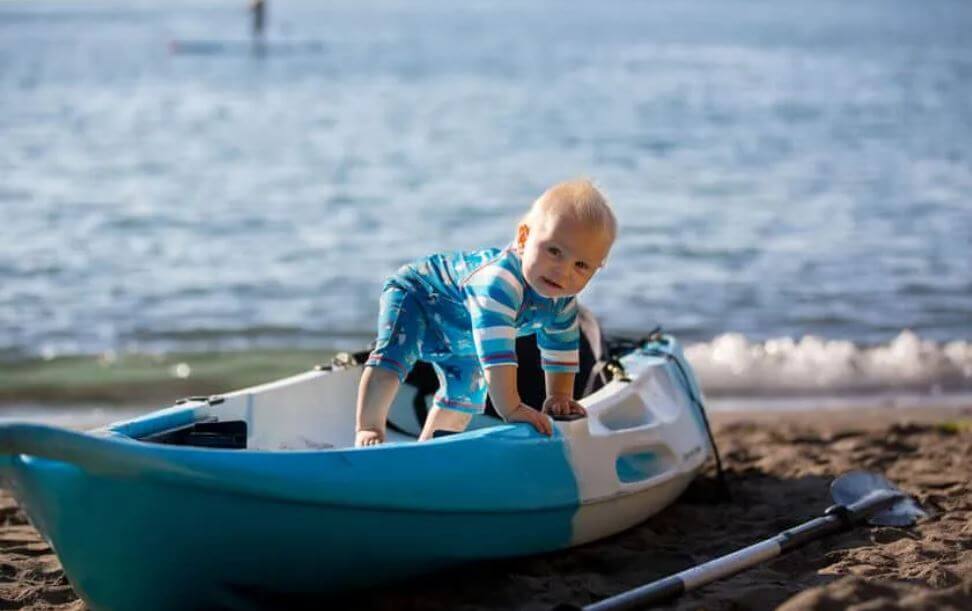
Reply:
x=793, y=179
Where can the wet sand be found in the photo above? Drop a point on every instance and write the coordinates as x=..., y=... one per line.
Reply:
x=779, y=467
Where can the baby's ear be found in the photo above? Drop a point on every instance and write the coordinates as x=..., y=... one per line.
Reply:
x=522, y=233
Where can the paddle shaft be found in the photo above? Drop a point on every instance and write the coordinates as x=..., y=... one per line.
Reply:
x=836, y=518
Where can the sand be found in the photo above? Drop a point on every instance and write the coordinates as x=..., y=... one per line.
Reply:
x=779, y=465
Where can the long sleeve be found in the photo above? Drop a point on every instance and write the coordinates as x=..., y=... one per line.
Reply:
x=494, y=295
x=559, y=341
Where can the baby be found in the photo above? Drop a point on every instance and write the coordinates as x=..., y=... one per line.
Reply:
x=462, y=311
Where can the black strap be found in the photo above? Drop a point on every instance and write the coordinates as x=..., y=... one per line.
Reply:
x=720, y=472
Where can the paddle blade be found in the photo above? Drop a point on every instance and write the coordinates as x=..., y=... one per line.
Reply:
x=857, y=485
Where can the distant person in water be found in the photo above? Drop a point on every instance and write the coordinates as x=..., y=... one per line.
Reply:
x=462, y=311
x=258, y=9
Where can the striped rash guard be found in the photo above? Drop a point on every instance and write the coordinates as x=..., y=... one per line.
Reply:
x=479, y=301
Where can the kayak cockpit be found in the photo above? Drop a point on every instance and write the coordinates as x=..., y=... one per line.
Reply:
x=310, y=411
x=315, y=411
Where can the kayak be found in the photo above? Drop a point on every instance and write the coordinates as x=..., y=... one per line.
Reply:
x=259, y=494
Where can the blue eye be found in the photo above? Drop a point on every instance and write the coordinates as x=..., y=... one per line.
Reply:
x=553, y=250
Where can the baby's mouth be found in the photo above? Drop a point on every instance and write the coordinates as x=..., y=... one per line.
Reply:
x=550, y=282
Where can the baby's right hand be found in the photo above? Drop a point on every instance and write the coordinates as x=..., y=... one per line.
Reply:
x=525, y=413
x=367, y=437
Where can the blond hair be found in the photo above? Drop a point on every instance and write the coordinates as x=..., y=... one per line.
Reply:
x=579, y=200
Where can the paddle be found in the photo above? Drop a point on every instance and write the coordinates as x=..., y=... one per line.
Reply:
x=859, y=496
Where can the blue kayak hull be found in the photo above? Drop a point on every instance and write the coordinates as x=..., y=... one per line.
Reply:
x=145, y=540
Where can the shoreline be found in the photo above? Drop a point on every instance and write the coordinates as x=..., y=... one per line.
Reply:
x=737, y=372
x=867, y=417
x=779, y=465
x=925, y=408
x=140, y=378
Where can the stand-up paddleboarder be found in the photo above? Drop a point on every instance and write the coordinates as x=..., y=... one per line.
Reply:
x=258, y=9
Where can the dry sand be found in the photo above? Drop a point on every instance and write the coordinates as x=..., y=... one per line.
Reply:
x=780, y=466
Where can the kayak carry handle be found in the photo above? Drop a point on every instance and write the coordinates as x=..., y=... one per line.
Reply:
x=53, y=443
x=107, y=454
x=94, y=453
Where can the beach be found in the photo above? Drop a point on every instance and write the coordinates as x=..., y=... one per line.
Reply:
x=779, y=467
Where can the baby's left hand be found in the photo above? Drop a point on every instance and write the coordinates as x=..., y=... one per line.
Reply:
x=560, y=406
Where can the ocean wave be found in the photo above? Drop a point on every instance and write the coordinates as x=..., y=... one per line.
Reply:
x=733, y=365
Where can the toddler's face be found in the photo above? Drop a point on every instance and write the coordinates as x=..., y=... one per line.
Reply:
x=560, y=255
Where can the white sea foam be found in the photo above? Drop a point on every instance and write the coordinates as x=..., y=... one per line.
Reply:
x=733, y=365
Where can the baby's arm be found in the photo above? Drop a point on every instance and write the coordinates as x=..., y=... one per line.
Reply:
x=559, y=342
x=501, y=380
x=493, y=296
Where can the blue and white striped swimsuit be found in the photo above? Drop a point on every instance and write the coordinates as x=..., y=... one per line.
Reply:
x=462, y=311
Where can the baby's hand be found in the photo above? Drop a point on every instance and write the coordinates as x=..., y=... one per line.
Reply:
x=525, y=413
x=367, y=437
x=561, y=406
